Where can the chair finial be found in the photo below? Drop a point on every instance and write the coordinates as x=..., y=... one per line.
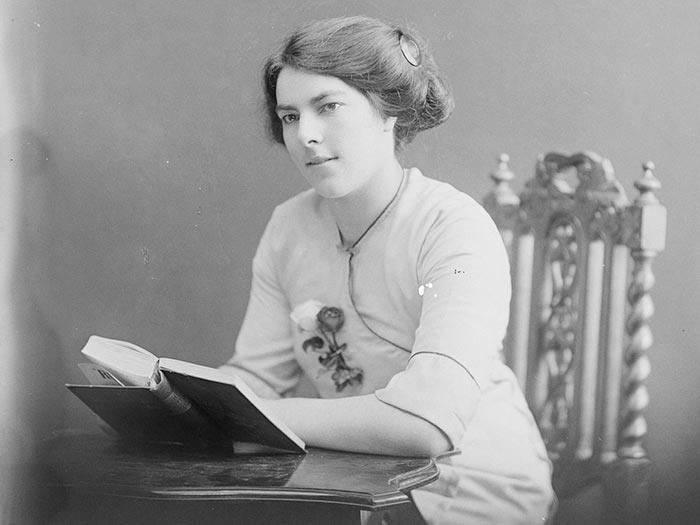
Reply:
x=647, y=184
x=503, y=173
x=502, y=194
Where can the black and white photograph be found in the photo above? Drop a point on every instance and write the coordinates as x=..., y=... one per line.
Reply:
x=349, y=262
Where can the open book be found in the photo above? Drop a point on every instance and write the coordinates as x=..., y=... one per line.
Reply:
x=146, y=398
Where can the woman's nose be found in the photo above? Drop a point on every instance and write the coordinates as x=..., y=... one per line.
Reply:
x=309, y=130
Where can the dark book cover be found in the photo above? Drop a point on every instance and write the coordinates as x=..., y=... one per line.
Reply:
x=136, y=414
x=233, y=412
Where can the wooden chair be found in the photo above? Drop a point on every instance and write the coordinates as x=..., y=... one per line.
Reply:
x=579, y=331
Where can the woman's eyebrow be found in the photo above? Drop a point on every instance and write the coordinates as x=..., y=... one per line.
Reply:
x=314, y=100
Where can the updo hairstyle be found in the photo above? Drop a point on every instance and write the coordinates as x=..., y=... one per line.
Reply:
x=391, y=66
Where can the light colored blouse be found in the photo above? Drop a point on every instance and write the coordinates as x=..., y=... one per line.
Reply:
x=414, y=312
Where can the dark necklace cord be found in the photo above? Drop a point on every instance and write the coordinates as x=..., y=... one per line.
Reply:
x=352, y=250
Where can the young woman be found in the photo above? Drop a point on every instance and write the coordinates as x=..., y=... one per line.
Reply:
x=388, y=290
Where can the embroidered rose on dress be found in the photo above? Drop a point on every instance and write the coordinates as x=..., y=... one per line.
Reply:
x=312, y=316
x=330, y=318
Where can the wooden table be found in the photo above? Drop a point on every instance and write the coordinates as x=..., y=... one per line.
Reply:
x=109, y=481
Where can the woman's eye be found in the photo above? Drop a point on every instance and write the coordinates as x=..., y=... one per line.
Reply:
x=330, y=107
x=288, y=118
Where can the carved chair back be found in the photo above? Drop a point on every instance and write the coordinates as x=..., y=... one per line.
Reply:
x=579, y=331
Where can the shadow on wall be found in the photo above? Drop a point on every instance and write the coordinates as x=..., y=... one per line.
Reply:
x=32, y=360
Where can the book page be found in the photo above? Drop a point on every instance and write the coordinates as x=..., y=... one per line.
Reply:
x=127, y=362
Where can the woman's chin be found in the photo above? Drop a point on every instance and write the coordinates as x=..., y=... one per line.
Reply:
x=328, y=191
x=330, y=187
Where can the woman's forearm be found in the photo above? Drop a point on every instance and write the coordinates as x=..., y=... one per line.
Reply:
x=360, y=424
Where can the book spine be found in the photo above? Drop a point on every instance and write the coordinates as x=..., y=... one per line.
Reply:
x=173, y=399
x=204, y=429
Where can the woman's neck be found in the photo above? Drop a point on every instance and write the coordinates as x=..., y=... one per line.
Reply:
x=355, y=212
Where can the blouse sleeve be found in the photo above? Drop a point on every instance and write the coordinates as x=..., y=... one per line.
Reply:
x=263, y=355
x=465, y=284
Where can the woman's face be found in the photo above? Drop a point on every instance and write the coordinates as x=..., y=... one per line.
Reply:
x=334, y=136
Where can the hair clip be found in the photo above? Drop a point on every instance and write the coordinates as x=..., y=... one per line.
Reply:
x=410, y=50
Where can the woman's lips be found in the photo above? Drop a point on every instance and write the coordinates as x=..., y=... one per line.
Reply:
x=318, y=160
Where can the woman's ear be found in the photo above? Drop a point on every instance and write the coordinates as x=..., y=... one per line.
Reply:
x=389, y=124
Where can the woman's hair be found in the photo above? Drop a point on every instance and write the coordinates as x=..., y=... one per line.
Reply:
x=391, y=66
